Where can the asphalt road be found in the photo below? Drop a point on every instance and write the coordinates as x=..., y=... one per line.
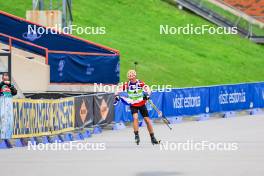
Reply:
x=232, y=147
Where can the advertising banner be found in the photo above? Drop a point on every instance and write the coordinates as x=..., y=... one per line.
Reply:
x=83, y=111
x=122, y=111
x=70, y=68
x=103, y=109
x=257, y=90
x=157, y=98
x=188, y=101
x=230, y=97
x=42, y=117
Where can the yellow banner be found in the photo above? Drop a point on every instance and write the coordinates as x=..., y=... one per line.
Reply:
x=42, y=117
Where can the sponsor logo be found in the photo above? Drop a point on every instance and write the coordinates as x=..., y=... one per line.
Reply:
x=89, y=69
x=104, y=109
x=83, y=111
x=186, y=102
x=117, y=70
x=61, y=67
x=233, y=97
x=31, y=36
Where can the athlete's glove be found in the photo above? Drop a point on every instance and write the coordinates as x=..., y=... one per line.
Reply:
x=146, y=97
x=117, y=98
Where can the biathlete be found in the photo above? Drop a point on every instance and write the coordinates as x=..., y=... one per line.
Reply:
x=139, y=93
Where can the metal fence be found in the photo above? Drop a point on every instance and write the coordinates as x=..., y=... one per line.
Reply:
x=253, y=24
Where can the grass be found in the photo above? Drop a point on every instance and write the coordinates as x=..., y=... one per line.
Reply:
x=132, y=26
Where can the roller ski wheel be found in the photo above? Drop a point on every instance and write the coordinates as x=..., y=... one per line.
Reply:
x=137, y=139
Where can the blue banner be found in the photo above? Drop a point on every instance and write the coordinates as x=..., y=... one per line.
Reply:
x=123, y=113
x=195, y=101
x=189, y=101
x=91, y=62
x=68, y=68
x=44, y=37
x=258, y=95
x=230, y=97
x=157, y=98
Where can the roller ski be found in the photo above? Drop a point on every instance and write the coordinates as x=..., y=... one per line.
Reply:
x=154, y=141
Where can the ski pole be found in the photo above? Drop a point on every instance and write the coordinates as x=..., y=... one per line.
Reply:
x=164, y=119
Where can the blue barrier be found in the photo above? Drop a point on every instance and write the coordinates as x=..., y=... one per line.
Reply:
x=68, y=137
x=46, y=140
x=122, y=112
x=157, y=98
x=201, y=101
x=79, y=136
x=190, y=101
x=230, y=97
x=34, y=140
x=20, y=142
x=57, y=139
x=97, y=130
x=257, y=90
x=4, y=144
x=87, y=134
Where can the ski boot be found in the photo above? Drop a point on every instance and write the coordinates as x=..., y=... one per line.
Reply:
x=154, y=140
x=137, y=139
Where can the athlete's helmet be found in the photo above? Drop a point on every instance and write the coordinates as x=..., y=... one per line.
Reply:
x=131, y=74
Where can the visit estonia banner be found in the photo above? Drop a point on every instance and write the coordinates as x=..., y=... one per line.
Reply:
x=187, y=101
x=230, y=97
